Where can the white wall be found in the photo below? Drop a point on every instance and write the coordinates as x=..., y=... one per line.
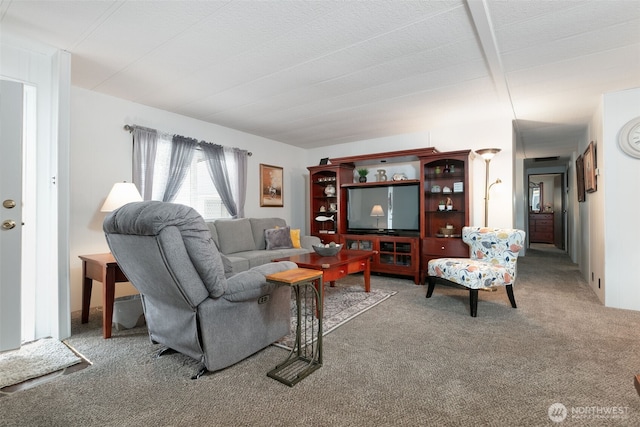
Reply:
x=574, y=220
x=489, y=134
x=619, y=181
x=594, y=215
x=101, y=154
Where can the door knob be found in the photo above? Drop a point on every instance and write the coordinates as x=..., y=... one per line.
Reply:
x=8, y=224
x=9, y=203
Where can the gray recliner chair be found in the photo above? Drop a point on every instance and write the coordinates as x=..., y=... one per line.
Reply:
x=167, y=253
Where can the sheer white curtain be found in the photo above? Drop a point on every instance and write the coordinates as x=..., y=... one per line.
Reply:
x=144, y=157
x=162, y=160
x=182, y=150
x=224, y=163
x=238, y=168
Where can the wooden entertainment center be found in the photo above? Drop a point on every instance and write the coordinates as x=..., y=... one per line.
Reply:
x=440, y=177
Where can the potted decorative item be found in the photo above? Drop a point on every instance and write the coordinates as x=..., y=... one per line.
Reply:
x=363, y=172
x=330, y=190
x=442, y=205
x=449, y=204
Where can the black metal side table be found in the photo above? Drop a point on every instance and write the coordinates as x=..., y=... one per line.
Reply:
x=306, y=354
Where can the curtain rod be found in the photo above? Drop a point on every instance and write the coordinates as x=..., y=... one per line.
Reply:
x=130, y=128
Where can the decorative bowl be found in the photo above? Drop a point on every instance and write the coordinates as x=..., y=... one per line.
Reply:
x=327, y=251
x=447, y=231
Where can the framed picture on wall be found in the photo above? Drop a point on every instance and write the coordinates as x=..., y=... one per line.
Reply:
x=580, y=178
x=589, y=161
x=271, y=191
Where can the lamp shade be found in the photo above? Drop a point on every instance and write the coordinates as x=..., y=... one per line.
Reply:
x=377, y=211
x=121, y=193
x=488, y=153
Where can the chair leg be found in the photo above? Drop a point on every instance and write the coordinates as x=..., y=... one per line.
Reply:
x=432, y=285
x=473, y=302
x=512, y=299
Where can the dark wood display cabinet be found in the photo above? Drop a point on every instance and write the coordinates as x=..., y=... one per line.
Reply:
x=445, y=205
x=328, y=215
x=396, y=247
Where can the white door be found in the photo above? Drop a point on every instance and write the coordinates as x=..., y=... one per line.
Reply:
x=11, y=108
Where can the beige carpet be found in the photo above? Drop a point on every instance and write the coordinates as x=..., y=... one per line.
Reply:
x=410, y=361
x=35, y=359
x=342, y=303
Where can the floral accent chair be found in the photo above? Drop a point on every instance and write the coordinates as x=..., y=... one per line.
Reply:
x=493, y=262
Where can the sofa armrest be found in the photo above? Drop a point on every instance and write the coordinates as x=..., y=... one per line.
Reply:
x=252, y=284
x=308, y=242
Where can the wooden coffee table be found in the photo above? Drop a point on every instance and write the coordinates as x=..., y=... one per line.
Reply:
x=336, y=267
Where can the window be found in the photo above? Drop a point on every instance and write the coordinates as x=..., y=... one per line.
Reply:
x=197, y=189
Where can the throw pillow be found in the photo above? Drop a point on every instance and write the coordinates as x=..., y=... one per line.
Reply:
x=295, y=238
x=258, y=225
x=278, y=238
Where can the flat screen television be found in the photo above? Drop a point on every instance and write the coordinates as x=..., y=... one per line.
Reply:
x=400, y=205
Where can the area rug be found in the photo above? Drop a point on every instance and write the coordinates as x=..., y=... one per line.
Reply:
x=341, y=304
x=35, y=359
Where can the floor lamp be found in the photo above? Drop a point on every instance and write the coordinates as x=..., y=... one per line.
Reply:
x=487, y=154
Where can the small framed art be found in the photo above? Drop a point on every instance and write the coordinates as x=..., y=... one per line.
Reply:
x=589, y=160
x=271, y=186
x=580, y=178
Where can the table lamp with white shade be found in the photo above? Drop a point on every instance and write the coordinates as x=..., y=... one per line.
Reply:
x=377, y=212
x=121, y=193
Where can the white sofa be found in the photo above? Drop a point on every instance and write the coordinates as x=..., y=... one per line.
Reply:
x=245, y=243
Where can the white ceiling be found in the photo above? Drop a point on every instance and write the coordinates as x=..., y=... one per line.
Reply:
x=316, y=73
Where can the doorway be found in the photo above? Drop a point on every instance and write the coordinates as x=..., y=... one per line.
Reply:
x=46, y=184
x=18, y=194
x=547, y=210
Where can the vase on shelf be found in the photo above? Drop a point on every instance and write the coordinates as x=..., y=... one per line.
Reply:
x=330, y=190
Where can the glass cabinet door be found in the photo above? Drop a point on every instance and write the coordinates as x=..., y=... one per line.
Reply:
x=359, y=244
x=395, y=253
